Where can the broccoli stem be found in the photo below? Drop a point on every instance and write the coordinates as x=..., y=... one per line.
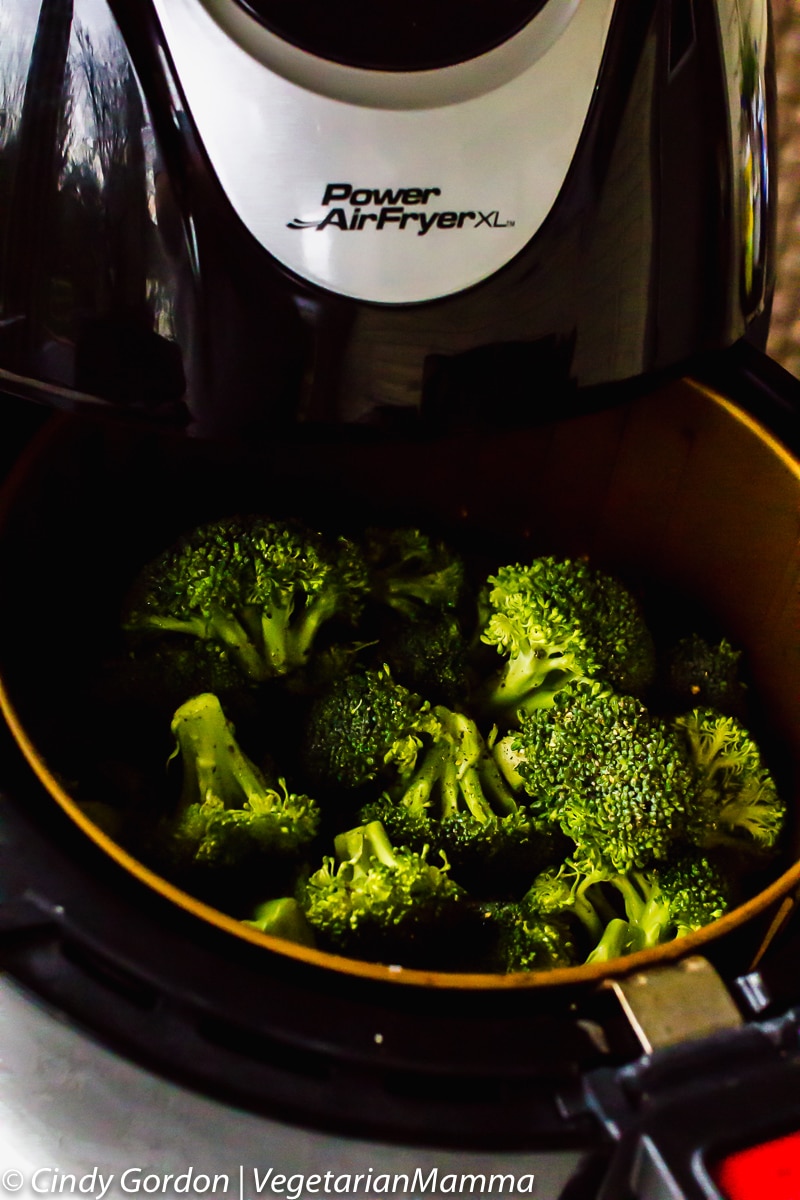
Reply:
x=587, y=914
x=274, y=636
x=522, y=673
x=213, y=763
x=460, y=775
x=529, y=681
x=614, y=942
x=198, y=627
x=234, y=636
x=307, y=624
x=357, y=846
x=595, y=913
x=495, y=786
x=283, y=918
x=507, y=761
x=474, y=797
x=459, y=764
x=379, y=845
x=449, y=785
x=647, y=910
x=417, y=793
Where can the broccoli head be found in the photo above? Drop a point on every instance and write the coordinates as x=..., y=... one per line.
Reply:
x=375, y=899
x=453, y=797
x=574, y=892
x=428, y=655
x=673, y=898
x=736, y=798
x=228, y=810
x=522, y=940
x=618, y=781
x=411, y=571
x=261, y=589
x=556, y=620
x=360, y=725
x=705, y=674
x=618, y=913
x=160, y=673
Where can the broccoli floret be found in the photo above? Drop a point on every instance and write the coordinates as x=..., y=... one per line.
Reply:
x=521, y=940
x=704, y=674
x=574, y=891
x=620, y=913
x=374, y=899
x=227, y=809
x=736, y=798
x=160, y=674
x=559, y=620
x=428, y=655
x=672, y=899
x=454, y=798
x=364, y=722
x=618, y=781
x=411, y=571
x=283, y=918
x=259, y=588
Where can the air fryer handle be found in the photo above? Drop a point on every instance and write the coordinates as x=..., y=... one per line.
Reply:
x=678, y=1115
x=710, y=1084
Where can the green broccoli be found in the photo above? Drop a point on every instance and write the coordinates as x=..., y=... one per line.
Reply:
x=620, y=913
x=375, y=900
x=259, y=588
x=521, y=940
x=593, y=830
x=159, y=674
x=441, y=784
x=454, y=798
x=672, y=899
x=428, y=655
x=699, y=673
x=617, y=781
x=228, y=810
x=574, y=892
x=411, y=571
x=283, y=918
x=736, y=798
x=360, y=725
x=556, y=620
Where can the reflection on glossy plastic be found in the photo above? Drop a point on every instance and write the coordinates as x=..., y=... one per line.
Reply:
x=132, y=275
x=89, y=297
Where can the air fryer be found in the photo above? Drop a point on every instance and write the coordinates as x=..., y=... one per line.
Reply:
x=565, y=196
x=504, y=282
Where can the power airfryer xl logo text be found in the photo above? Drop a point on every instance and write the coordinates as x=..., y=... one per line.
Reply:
x=354, y=209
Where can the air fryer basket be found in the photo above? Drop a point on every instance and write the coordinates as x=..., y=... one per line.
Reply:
x=680, y=489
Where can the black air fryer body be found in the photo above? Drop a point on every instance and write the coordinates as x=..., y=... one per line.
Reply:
x=429, y=255
x=584, y=199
